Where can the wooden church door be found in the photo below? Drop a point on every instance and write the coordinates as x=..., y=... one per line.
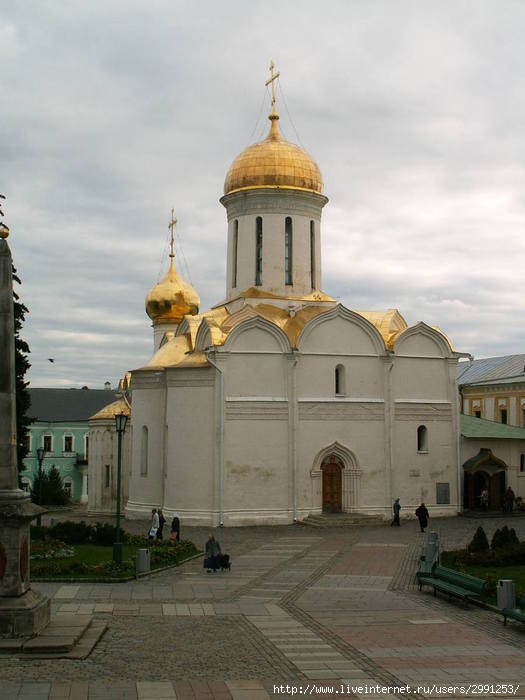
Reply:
x=332, y=470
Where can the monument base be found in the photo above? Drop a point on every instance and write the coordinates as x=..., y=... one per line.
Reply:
x=25, y=615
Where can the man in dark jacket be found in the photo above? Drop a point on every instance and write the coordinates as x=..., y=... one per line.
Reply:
x=422, y=516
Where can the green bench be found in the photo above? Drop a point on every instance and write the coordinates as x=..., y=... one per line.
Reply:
x=453, y=583
x=515, y=613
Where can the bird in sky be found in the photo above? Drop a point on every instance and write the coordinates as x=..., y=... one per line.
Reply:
x=50, y=359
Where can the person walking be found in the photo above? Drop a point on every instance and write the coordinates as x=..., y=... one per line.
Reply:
x=213, y=553
x=175, y=528
x=154, y=524
x=162, y=520
x=397, y=509
x=423, y=516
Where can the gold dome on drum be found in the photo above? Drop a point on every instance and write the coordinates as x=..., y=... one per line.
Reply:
x=172, y=299
x=274, y=162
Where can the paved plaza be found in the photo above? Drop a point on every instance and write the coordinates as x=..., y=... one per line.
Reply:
x=321, y=612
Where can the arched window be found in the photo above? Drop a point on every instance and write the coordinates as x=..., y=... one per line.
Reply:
x=144, y=452
x=340, y=381
x=234, y=252
x=68, y=488
x=258, y=250
x=313, y=281
x=422, y=439
x=288, y=250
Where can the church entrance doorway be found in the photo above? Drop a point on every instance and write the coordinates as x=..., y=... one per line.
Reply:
x=484, y=474
x=332, y=471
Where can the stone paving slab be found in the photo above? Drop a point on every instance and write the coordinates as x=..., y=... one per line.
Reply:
x=299, y=606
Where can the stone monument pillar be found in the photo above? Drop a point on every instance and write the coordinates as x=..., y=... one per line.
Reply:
x=23, y=612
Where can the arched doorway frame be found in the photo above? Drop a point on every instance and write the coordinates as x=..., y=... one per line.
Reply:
x=351, y=475
x=484, y=470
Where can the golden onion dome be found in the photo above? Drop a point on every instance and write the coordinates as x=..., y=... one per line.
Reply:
x=274, y=162
x=172, y=298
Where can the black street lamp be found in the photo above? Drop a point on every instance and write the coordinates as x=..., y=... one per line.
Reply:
x=40, y=458
x=120, y=426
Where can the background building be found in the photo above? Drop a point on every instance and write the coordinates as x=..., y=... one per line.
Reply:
x=60, y=426
x=492, y=395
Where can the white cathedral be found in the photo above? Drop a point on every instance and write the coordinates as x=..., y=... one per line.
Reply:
x=279, y=402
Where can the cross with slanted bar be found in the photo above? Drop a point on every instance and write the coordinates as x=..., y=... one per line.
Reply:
x=271, y=81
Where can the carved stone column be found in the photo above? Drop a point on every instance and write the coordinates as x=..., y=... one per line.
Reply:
x=23, y=612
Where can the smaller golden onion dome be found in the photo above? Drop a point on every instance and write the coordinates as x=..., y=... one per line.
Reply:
x=274, y=162
x=172, y=299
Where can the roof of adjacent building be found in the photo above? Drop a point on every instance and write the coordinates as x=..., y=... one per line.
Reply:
x=492, y=369
x=62, y=405
x=472, y=427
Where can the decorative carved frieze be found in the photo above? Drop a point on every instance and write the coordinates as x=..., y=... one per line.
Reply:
x=422, y=412
x=318, y=410
x=256, y=410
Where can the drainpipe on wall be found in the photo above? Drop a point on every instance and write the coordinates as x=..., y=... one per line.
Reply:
x=207, y=352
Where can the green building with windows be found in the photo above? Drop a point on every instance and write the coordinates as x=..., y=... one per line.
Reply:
x=60, y=426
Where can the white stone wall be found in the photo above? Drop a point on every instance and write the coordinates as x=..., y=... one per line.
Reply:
x=273, y=206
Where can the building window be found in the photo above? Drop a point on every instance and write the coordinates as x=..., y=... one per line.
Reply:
x=523, y=417
x=522, y=463
x=258, y=250
x=503, y=416
x=86, y=447
x=144, y=452
x=312, y=255
x=27, y=443
x=48, y=443
x=26, y=484
x=340, y=381
x=422, y=439
x=235, y=244
x=68, y=443
x=288, y=250
x=68, y=488
x=107, y=475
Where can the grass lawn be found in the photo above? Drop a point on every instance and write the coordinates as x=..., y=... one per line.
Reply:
x=491, y=574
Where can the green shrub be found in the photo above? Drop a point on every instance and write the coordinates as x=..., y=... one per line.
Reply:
x=504, y=538
x=104, y=534
x=479, y=542
x=72, y=533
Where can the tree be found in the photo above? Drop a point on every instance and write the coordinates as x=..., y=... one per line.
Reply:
x=23, y=400
x=22, y=364
x=53, y=493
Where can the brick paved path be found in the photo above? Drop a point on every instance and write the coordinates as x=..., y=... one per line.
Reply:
x=304, y=608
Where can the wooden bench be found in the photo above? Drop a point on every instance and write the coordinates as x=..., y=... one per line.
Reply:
x=453, y=583
x=515, y=613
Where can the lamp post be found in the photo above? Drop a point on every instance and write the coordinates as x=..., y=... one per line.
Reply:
x=40, y=458
x=120, y=426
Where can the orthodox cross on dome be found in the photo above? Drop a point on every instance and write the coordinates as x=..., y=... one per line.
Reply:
x=271, y=81
x=171, y=226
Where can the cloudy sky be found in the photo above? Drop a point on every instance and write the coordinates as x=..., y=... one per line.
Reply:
x=113, y=112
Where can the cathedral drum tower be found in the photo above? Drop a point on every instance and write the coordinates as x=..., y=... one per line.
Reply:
x=273, y=198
